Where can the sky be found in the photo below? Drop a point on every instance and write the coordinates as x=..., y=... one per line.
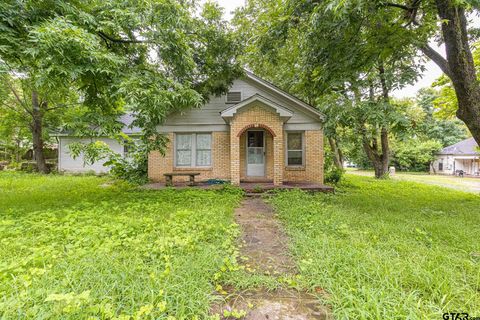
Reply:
x=431, y=73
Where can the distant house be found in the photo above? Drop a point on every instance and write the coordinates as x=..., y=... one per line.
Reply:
x=254, y=133
x=459, y=156
x=66, y=163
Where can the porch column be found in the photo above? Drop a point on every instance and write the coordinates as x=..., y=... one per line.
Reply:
x=278, y=158
x=234, y=158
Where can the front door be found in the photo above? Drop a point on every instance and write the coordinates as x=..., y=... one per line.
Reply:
x=255, y=153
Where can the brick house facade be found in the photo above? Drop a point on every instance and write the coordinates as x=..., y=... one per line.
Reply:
x=254, y=133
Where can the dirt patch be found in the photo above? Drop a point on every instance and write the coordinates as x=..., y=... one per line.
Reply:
x=265, y=244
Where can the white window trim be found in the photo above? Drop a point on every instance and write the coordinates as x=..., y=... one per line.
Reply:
x=193, y=162
x=303, y=150
x=233, y=102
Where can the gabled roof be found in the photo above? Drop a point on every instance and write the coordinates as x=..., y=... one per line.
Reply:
x=281, y=111
x=303, y=105
x=467, y=146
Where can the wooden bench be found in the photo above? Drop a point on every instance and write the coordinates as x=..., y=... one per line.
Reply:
x=169, y=177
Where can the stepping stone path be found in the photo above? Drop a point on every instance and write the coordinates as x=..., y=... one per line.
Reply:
x=264, y=243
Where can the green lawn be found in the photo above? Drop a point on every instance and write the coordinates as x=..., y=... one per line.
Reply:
x=467, y=183
x=387, y=249
x=86, y=248
x=74, y=247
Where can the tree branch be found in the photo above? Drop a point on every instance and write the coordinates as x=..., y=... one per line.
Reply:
x=104, y=36
x=437, y=58
x=17, y=98
x=396, y=5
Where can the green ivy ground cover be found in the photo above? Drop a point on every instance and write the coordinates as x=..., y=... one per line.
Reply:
x=387, y=249
x=80, y=248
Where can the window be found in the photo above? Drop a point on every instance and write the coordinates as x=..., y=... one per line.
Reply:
x=130, y=146
x=295, y=149
x=234, y=96
x=440, y=166
x=193, y=149
x=127, y=149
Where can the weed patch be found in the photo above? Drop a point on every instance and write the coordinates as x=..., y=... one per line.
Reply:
x=387, y=249
x=79, y=247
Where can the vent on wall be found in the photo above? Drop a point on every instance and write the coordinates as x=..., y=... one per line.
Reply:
x=234, y=97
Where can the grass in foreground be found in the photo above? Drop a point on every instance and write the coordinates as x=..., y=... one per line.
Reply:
x=73, y=247
x=387, y=249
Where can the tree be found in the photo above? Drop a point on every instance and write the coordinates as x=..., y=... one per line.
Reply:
x=149, y=57
x=422, y=20
x=14, y=136
x=414, y=154
x=434, y=125
x=349, y=55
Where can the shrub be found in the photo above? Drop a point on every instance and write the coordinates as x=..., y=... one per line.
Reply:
x=413, y=155
x=334, y=175
x=132, y=168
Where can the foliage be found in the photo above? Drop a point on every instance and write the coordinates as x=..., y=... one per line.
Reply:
x=446, y=103
x=434, y=126
x=414, y=155
x=347, y=61
x=386, y=249
x=81, y=247
x=133, y=168
x=334, y=175
x=422, y=134
x=149, y=57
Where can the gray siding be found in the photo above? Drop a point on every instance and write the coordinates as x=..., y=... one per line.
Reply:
x=68, y=164
x=209, y=115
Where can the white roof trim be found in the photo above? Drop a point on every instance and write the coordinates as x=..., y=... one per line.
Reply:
x=288, y=96
x=231, y=111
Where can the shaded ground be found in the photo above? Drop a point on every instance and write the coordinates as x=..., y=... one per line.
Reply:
x=265, y=244
x=467, y=184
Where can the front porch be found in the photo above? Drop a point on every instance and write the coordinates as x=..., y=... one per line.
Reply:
x=247, y=187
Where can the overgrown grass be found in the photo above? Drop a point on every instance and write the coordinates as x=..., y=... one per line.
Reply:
x=78, y=247
x=387, y=249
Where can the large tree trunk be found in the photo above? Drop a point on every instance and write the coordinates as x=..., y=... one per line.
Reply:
x=379, y=158
x=337, y=153
x=36, y=128
x=459, y=65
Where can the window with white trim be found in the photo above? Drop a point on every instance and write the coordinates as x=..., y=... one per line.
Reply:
x=193, y=149
x=295, y=149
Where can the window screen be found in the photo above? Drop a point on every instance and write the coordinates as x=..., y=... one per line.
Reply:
x=193, y=149
x=294, y=148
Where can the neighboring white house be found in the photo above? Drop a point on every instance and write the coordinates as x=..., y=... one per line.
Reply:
x=67, y=163
x=462, y=156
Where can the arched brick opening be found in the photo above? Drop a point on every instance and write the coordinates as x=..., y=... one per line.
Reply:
x=262, y=126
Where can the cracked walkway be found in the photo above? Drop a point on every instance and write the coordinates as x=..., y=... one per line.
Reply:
x=265, y=244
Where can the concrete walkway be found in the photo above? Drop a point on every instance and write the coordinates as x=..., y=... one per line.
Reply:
x=265, y=244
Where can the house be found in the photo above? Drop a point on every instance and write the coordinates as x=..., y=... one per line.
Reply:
x=459, y=156
x=66, y=163
x=254, y=133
